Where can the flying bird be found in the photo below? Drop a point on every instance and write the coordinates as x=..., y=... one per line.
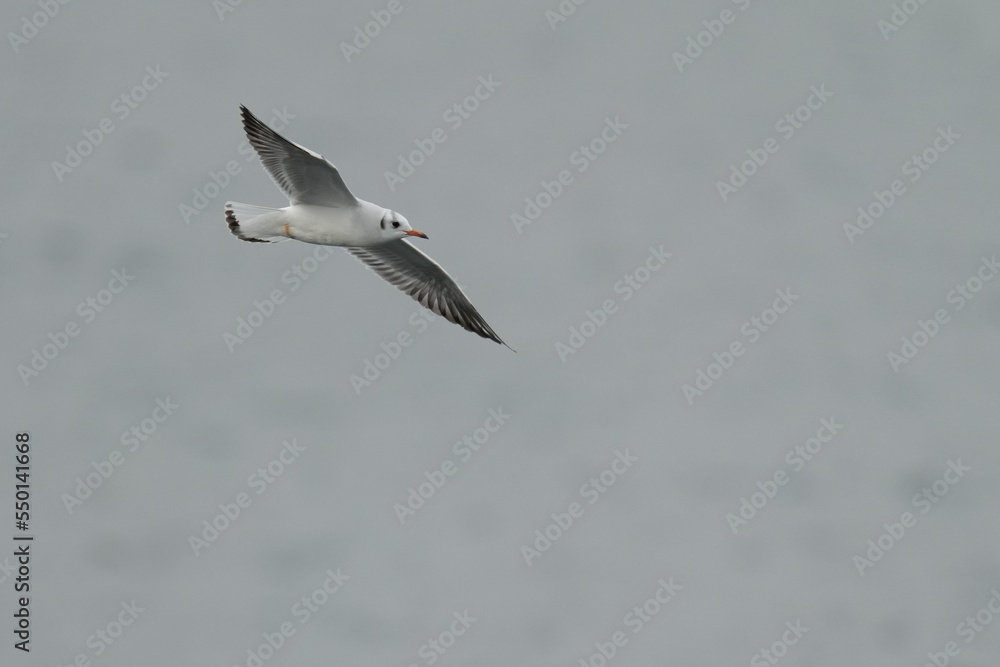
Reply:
x=323, y=211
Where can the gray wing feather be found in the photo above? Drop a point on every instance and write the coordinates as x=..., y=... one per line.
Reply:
x=305, y=177
x=413, y=272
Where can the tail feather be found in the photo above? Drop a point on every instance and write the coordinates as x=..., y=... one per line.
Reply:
x=248, y=222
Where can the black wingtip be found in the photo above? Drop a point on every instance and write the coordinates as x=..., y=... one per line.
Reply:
x=248, y=116
x=489, y=334
x=494, y=337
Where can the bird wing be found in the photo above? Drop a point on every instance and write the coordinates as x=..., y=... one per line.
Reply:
x=305, y=177
x=402, y=265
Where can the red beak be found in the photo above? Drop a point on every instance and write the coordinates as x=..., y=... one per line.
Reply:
x=413, y=232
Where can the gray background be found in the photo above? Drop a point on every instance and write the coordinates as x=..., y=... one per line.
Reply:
x=656, y=184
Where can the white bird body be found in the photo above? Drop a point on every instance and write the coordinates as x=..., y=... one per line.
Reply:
x=323, y=225
x=323, y=211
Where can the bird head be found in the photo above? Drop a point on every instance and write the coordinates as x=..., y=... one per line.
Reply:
x=395, y=226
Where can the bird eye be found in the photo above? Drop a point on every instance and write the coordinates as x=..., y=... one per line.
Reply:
x=395, y=223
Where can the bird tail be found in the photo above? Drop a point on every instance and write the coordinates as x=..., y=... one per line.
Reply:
x=258, y=224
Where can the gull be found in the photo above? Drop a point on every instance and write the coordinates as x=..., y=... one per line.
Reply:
x=323, y=211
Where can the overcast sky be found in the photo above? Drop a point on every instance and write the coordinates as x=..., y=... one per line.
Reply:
x=746, y=253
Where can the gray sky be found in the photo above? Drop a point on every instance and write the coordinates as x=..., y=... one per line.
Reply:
x=745, y=252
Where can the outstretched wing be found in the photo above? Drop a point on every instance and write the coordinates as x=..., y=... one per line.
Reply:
x=402, y=265
x=305, y=177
